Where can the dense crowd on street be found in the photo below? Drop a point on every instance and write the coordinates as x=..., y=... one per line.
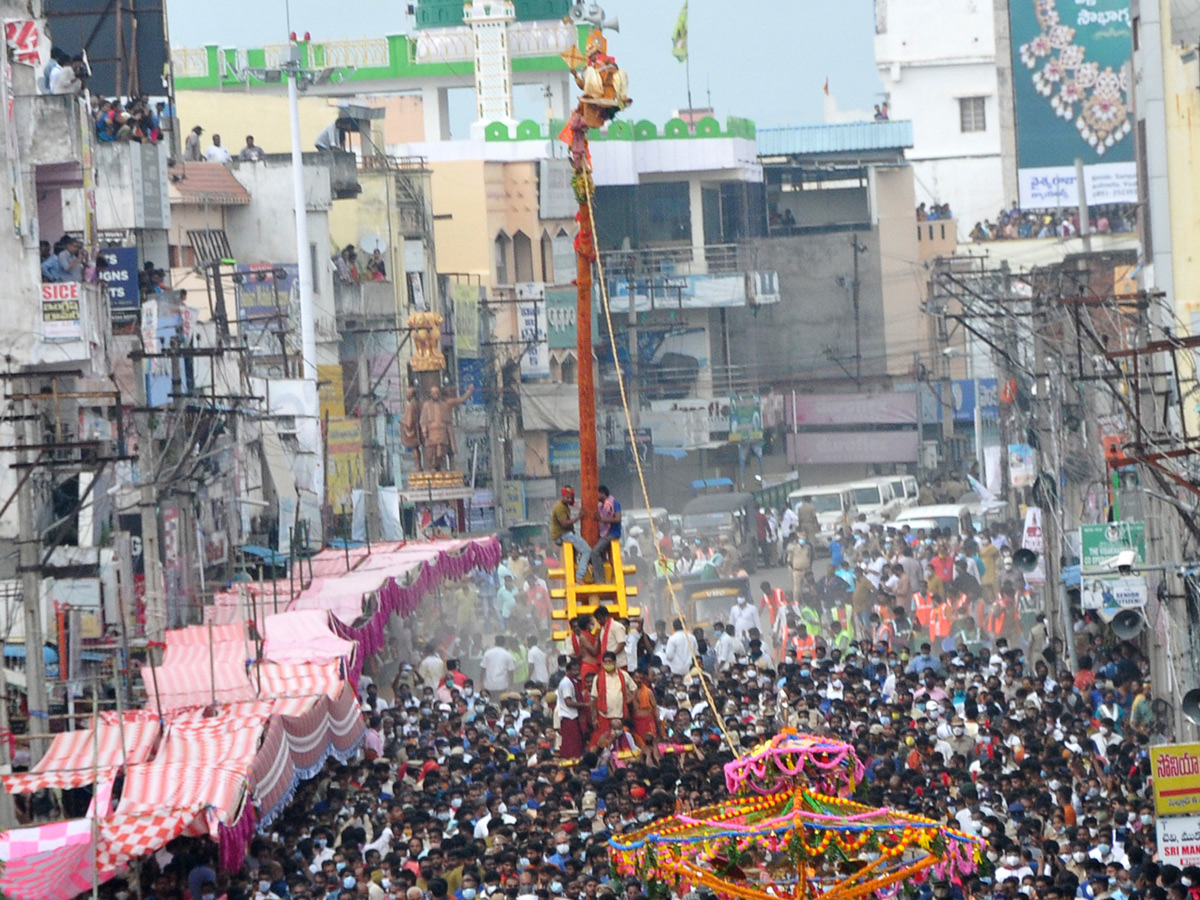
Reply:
x=497, y=761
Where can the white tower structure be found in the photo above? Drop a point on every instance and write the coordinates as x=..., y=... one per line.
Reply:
x=489, y=21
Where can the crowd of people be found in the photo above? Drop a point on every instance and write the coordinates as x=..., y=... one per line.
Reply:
x=1015, y=223
x=933, y=212
x=498, y=761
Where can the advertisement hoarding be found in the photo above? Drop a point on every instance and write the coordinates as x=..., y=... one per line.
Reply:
x=1176, y=778
x=1179, y=840
x=1102, y=542
x=531, y=323
x=1071, y=65
x=60, y=312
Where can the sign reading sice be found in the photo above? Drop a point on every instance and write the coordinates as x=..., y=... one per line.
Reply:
x=1176, y=772
x=60, y=311
x=1179, y=840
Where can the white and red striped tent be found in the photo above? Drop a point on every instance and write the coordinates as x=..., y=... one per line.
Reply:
x=196, y=684
x=76, y=758
x=298, y=679
x=304, y=636
x=47, y=861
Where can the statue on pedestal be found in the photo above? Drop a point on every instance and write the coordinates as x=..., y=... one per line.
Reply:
x=438, y=444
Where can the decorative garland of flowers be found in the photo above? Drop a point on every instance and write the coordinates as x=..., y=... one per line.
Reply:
x=795, y=843
x=792, y=757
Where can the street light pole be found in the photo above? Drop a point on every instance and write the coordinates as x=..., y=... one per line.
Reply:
x=308, y=330
x=978, y=413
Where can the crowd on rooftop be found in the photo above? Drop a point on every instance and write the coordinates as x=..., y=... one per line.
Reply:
x=1015, y=223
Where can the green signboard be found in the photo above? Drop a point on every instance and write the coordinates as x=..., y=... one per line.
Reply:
x=1071, y=87
x=561, y=315
x=1101, y=543
x=745, y=418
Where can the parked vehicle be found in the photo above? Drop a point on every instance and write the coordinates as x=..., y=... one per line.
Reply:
x=709, y=602
x=725, y=519
x=953, y=518
x=905, y=490
x=874, y=497
x=835, y=508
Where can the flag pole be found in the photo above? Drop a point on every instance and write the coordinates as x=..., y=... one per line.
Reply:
x=687, y=64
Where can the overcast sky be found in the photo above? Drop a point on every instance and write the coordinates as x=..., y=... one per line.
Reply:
x=766, y=60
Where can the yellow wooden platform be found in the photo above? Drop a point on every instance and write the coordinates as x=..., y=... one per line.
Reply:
x=587, y=598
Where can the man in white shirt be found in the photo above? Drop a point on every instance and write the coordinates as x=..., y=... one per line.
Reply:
x=432, y=668
x=744, y=617
x=680, y=650
x=612, y=635
x=216, y=153
x=498, y=666
x=566, y=711
x=728, y=647
x=536, y=657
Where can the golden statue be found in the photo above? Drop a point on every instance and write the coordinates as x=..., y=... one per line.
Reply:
x=426, y=329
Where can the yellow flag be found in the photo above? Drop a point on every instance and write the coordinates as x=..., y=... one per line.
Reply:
x=680, y=50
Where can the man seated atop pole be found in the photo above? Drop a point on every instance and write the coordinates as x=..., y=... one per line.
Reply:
x=610, y=530
x=562, y=531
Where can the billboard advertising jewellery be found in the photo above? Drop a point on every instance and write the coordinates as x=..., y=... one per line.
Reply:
x=1071, y=65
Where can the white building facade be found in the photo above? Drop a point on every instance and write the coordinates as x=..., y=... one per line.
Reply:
x=937, y=62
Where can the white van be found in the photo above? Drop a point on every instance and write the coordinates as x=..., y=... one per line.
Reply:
x=835, y=508
x=873, y=496
x=954, y=518
x=905, y=490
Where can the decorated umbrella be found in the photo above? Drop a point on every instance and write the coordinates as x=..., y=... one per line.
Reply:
x=778, y=838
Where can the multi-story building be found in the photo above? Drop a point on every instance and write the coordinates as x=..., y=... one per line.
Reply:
x=944, y=80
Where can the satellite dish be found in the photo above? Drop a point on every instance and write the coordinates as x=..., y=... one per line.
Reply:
x=1191, y=706
x=1128, y=624
x=1025, y=560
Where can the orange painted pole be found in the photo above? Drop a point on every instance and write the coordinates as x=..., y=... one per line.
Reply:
x=589, y=494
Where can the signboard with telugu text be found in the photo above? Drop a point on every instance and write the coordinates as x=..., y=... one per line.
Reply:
x=531, y=326
x=1179, y=840
x=1072, y=98
x=562, y=311
x=1175, y=769
x=60, y=311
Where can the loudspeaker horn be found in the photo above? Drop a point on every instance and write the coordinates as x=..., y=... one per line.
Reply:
x=613, y=24
x=1191, y=706
x=1128, y=624
x=1025, y=560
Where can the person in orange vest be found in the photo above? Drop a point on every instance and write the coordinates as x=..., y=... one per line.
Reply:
x=940, y=619
x=882, y=631
x=773, y=600
x=797, y=639
x=999, y=618
x=922, y=607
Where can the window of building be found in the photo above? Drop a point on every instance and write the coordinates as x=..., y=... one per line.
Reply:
x=971, y=114
x=523, y=257
x=564, y=256
x=502, y=242
x=547, y=259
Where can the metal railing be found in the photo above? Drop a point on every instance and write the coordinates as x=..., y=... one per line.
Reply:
x=711, y=259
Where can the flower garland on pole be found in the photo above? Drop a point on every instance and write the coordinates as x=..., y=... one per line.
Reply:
x=792, y=842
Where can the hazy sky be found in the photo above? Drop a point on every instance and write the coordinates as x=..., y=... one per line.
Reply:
x=766, y=60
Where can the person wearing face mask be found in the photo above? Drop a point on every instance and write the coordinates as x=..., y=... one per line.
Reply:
x=612, y=691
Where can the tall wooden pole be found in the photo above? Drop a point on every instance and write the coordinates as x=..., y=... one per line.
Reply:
x=589, y=480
